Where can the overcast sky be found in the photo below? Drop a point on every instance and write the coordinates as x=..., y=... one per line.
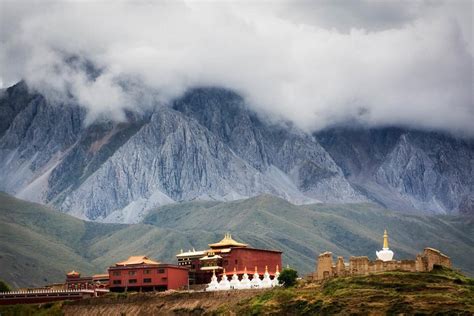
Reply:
x=315, y=63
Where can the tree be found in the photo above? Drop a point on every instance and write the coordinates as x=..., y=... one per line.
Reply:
x=288, y=277
x=4, y=287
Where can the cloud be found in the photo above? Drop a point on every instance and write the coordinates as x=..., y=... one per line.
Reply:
x=316, y=64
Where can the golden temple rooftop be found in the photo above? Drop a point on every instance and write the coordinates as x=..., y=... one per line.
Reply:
x=133, y=260
x=73, y=273
x=227, y=241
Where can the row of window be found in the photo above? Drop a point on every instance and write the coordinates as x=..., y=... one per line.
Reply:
x=131, y=281
x=132, y=272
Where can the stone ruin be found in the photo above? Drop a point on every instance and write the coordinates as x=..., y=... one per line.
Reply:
x=424, y=262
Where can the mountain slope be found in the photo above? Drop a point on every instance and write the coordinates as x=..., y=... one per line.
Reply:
x=208, y=145
x=39, y=245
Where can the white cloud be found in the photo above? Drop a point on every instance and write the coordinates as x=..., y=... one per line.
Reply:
x=406, y=63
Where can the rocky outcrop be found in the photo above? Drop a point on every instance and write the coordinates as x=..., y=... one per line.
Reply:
x=208, y=145
x=405, y=169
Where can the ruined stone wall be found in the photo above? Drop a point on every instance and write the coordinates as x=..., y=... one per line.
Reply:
x=340, y=267
x=324, y=268
x=407, y=265
x=359, y=265
x=434, y=256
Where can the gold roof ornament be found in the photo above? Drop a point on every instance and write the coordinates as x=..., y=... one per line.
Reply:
x=385, y=240
x=227, y=241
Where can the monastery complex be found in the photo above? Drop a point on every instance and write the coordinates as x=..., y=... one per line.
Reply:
x=225, y=265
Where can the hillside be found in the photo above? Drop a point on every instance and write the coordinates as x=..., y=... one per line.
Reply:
x=438, y=292
x=38, y=244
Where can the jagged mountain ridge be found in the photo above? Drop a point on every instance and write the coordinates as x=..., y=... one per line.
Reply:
x=208, y=145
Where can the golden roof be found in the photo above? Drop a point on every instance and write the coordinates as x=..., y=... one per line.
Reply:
x=227, y=241
x=136, y=260
x=73, y=273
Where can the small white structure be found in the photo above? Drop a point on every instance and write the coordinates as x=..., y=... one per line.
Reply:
x=245, y=282
x=224, y=284
x=385, y=254
x=256, y=282
x=235, y=283
x=275, y=281
x=266, y=282
x=214, y=285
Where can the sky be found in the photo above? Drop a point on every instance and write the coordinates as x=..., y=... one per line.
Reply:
x=316, y=64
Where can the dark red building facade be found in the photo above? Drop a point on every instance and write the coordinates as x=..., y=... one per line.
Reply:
x=139, y=273
x=228, y=255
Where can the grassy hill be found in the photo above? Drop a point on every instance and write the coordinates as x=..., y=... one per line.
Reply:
x=38, y=245
x=391, y=293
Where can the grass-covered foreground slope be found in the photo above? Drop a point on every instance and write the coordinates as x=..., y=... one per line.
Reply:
x=38, y=244
x=392, y=293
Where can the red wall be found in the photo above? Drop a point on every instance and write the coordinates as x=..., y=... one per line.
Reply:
x=248, y=257
x=172, y=277
x=177, y=278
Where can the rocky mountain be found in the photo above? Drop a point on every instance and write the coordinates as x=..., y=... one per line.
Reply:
x=208, y=145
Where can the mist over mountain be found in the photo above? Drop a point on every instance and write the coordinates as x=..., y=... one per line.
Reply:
x=209, y=145
x=315, y=64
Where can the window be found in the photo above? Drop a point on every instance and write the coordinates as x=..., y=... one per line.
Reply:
x=146, y=272
x=161, y=270
x=132, y=281
x=148, y=280
x=226, y=262
x=116, y=273
x=236, y=261
x=117, y=282
x=131, y=272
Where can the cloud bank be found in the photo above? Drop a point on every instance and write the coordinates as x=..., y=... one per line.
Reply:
x=316, y=64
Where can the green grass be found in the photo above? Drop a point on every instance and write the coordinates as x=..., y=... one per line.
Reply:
x=46, y=309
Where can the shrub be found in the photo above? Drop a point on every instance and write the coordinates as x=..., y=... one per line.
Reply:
x=4, y=287
x=288, y=277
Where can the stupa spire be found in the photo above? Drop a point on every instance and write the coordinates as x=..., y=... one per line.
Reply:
x=385, y=240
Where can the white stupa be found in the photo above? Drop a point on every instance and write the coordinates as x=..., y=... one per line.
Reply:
x=385, y=254
x=275, y=281
x=266, y=282
x=224, y=284
x=245, y=282
x=214, y=285
x=256, y=282
x=235, y=283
